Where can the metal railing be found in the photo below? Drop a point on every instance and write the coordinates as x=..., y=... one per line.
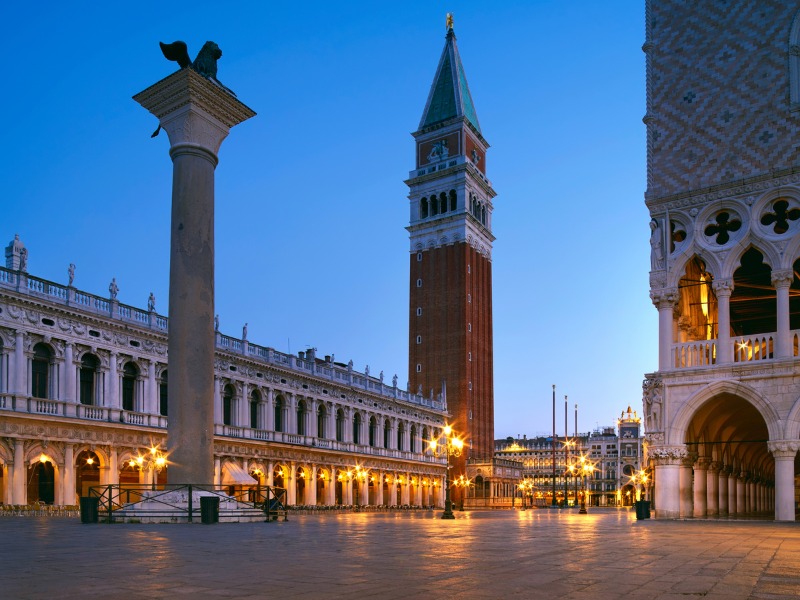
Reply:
x=116, y=497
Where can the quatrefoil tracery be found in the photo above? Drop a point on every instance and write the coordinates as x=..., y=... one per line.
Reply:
x=725, y=225
x=780, y=216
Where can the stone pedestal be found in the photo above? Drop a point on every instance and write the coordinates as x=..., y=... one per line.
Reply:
x=197, y=115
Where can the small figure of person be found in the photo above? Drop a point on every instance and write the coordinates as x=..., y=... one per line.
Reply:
x=113, y=288
x=71, y=272
x=244, y=333
x=656, y=248
x=216, y=322
x=151, y=303
x=23, y=260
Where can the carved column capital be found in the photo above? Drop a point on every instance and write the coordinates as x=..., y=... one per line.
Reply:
x=784, y=448
x=782, y=278
x=664, y=298
x=714, y=466
x=702, y=463
x=722, y=287
x=668, y=455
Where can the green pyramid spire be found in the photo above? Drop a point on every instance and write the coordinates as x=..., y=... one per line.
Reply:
x=449, y=96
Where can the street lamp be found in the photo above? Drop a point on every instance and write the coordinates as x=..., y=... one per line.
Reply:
x=526, y=487
x=586, y=468
x=359, y=475
x=464, y=483
x=447, y=444
x=639, y=482
x=154, y=461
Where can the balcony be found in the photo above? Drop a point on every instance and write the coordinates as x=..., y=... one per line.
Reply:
x=745, y=349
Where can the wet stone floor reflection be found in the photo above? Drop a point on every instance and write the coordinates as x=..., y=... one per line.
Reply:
x=483, y=554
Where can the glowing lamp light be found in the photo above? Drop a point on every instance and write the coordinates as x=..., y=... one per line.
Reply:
x=90, y=461
x=42, y=459
x=131, y=463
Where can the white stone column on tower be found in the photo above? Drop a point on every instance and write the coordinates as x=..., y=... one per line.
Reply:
x=723, y=289
x=665, y=300
x=197, y=114
x=700, y=490
x=782, y=280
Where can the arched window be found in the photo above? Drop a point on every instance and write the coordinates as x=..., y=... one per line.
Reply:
x=425, y=437
x=340, y=425
x=129, y=375
x=387, y=432
x=423, y=208
x=301, y=417
x=227, y=404
x=279, y=404
x=442, y=203
x=322, y=421
x=40, y=369
x=483, y=214
x=401, y=432
x=87, y=388
x=357, y=428
x=453, y=200
x=434, y=205
x=373, y=426
x=163, y=390
x=413, y=443
x=255, y=400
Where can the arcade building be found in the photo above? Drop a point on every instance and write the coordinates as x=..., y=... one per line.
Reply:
x=722, y=409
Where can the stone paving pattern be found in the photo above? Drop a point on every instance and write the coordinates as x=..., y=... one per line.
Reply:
x=501, y=554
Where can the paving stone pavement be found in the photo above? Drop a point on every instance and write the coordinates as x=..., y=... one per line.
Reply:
x=492, y=554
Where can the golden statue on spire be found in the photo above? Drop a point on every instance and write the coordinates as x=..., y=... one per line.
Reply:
x=448, y=20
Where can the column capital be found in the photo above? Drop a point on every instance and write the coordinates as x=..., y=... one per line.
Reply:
x=722, y=287
x=782, y=278
x=665, y=297
x=668, y=455
x=194, y=111
x=715, y=466
x=703, y=463
x=784, y=448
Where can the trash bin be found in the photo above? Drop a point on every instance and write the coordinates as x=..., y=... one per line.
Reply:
x=209, y=509
x=642, y=509
x=90, y=506
x=646, y=509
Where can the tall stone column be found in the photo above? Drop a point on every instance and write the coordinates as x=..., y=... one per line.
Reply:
x=712, y=489
x=665, y=300
x=686, y=480
x=700, y=487
x=782, y=280
x=723, y=490
x=197, y=115
x=19, y=478
x=20, y=370
x=70, y=373
x=741, y=496
x=723, y=289
x=784, y=452
x=68, y=477
x=732, y=477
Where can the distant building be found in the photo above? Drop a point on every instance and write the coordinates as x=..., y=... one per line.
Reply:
x=83, y=394
x=616, y=455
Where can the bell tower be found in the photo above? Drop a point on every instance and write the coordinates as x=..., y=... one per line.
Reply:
x=450, y=232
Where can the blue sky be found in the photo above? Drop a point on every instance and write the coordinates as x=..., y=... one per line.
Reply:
x=310, y=200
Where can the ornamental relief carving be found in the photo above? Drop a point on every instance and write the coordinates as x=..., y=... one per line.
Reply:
x=668, y=455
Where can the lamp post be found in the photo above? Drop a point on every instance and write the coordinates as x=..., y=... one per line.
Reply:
x=358, y=475
x=154, y=461
x=447, y=444
x=526, y=487
x=585, y=468
x=463, y=483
